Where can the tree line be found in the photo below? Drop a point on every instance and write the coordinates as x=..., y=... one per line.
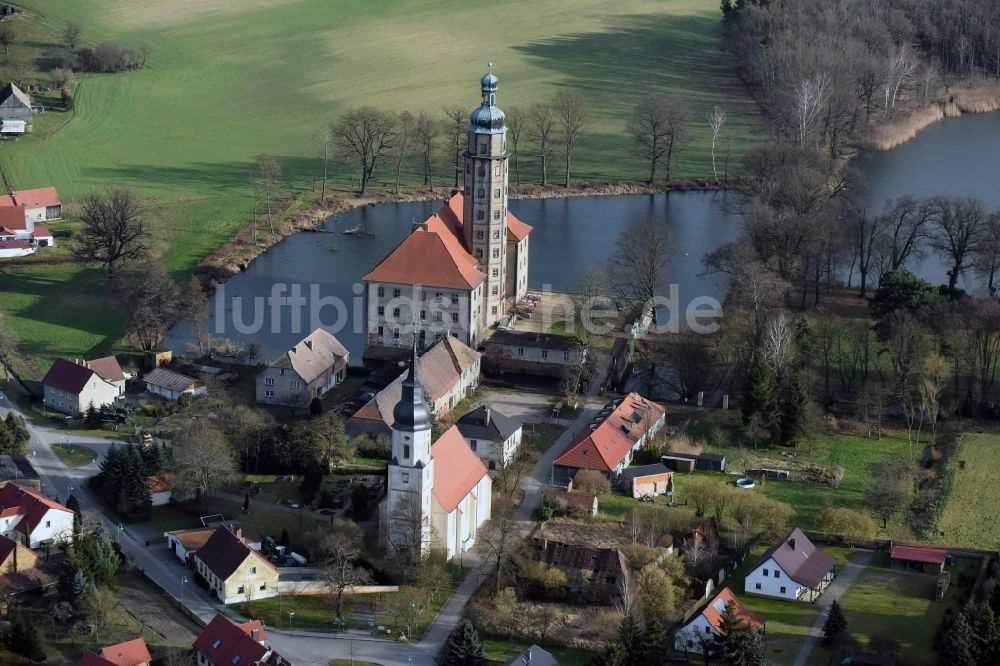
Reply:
x=827, y=71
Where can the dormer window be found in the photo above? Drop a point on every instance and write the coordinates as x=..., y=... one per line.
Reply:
x=216, y=643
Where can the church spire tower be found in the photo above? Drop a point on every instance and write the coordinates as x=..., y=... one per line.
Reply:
x=485, y=212
x=407, y=521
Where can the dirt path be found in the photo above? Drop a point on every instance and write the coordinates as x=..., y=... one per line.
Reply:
x=139, y=607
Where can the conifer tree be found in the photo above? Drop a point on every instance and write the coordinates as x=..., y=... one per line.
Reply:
x=729, y=624
x=960, y=643
x=464, y=647
x=744, y=648
x=25, y=640
x=18, y=432
x=793, y=411
x=761, y=395
x=625, y=648
x=653, y=644
x=835, y=623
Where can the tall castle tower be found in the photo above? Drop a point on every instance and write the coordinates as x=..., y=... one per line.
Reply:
x=485, y=214
x=407, y=521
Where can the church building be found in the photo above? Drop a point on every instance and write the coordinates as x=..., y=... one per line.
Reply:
x=439, y=494
x=456, y=271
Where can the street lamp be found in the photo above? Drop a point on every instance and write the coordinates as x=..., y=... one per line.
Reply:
x=291, y=614
x=409, y=625
x=184, y=581
x=118, y=533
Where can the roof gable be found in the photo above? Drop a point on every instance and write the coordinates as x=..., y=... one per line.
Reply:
x=222, y=640
x=11, y=95
x=516, y=229
x=107, y=368
x=170, y=380
x=801, y=561
x=312, y=356
x=41, y=197
x=13, y=218
x=129, y=653
x=716, y=608
x=224, y=553
x=463, y=469
x=606, y=444
x=485, y=422
x=67, y=376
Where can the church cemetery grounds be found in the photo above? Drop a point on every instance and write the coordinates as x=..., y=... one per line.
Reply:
x=229, y=80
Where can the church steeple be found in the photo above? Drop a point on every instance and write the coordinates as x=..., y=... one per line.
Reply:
x=412, y=413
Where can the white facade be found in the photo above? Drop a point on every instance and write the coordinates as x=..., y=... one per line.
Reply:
x=770, y=580
x=393, y=309
x=170, y=394
x=690, y=637
x=8, y=252
x=54, y=525
x=456, y=531
x=410, y=493
x=97, y=391
x=496, y=454
x=161, y=498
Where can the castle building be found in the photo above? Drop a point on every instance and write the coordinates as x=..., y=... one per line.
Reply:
x=439, y=494
x=457, y=270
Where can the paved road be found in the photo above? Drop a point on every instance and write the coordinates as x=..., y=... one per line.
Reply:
x=855, y=565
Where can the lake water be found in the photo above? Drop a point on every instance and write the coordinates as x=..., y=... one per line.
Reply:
x=959, y=156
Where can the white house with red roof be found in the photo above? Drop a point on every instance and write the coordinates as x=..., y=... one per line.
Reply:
x=19, y=213
x=130, y=653
x=456, y=271
x=705, y=628
x=41, y=204
x=27, y=516
x=609, y=442
x=225, y=643
x=439, y=494
x=72, y=387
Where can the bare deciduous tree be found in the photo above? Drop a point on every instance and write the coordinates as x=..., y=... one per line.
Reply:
x=716, y=121
x=986, y=263
x=114, y=229
x=203, y=460
x=899, y=71
x=401, y=147
x=327, y=140
x=571, y=111
x=152, y=299
x=426, y=132
x=268, y=173
x=457, y=119
x=367, y=135
x=340, y=550
x=657, y=129
x=499, y=536
x=541, y=126
x=960, y=224
x=515, y=125
x=810, y=100
x=637, y=270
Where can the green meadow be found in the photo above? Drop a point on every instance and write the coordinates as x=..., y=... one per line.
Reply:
x=229, y=79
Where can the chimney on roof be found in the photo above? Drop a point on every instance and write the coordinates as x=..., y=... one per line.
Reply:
x=309, y=343
x=239, y=533
x=486, y=416
x=527, y=656
x=255, y=634
x=791, y=544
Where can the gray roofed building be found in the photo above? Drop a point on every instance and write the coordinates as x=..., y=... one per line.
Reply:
x=172, y=385
x=14, y=104
x=492, y=435
x=529, y=353
x=533, y=656
x=793, y=568
x=308, y=370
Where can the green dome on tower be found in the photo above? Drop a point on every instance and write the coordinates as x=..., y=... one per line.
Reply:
x=488, y=118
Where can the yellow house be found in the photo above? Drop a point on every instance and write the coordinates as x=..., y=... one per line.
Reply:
x=15, y=557
x=234, y=571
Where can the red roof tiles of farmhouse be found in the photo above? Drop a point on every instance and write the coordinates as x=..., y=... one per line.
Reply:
x=107, y=367
x=15, y=245
x=516, y=229
x=32, y=504
x=12, y=217
x=40, y=197
x=128, y=653
x=726, y=596
x=223, y=640
x=41, y=232
x=919, y=554
x=606, y=446
x=459, y=469
x=7, y=200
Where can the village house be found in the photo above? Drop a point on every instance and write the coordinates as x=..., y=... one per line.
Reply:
x=705, y=628
x=72, y=388
x=535, y=656
x=11, y=247
x=31, y=518
x=185, y=543
x=309, y=369
x=449, y=371
x=455, y=273
x=655, y=479
x=425, y=508
x=225, y=643
x=159, y=489
x=15, y=110
x=493, y=436
x=689, y=462
x=528, y=353
x=577, y=503
x=130, y=653
x=109, y=370
x=15, y=556
x=234, y=571
x=172, y=385
x=41, y=204
x=609, y=442
x=17, y=225
x=793, y=568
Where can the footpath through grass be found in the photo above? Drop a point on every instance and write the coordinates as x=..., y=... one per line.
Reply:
x=227, y=80
x=972, y=494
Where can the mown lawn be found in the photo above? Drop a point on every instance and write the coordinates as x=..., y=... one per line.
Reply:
x=891, y=602
x=542, y=435
x=74, y=455
x=270, y=523
x=227, y=80
x=972, y=494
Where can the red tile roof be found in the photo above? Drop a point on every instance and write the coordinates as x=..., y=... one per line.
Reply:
x=459, y=469
x=606, y=446
x=37, y=198
x=15, y=245
x=222, y=640
x=106, y=367
x=7, y=200
x=516, y=229
x=32, y=504
x=13, y=218
x=725, y=596
x=129, y=653
x=41, y=232
x=67, y=376
x=917, y=554
x=158, y=483
x=7, y=547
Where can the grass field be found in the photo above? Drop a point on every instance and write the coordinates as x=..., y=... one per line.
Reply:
x=74, y=455
x=972, y=494
x=229, y=79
